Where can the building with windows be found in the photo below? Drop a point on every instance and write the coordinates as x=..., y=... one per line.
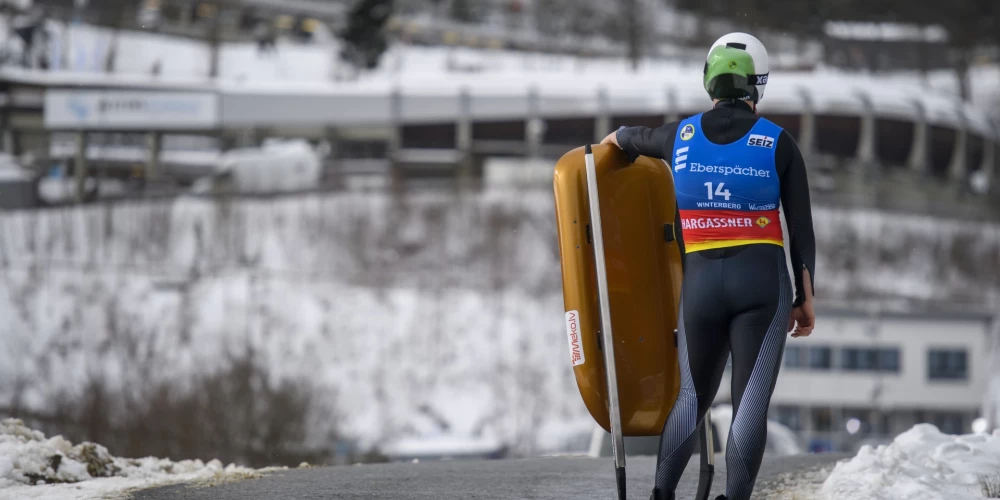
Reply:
x=863, y=378
x=864, y=146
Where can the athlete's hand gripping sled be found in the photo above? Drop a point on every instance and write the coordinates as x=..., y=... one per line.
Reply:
x=621, y=269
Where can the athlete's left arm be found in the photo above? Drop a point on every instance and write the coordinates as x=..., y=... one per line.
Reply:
x=798, y=214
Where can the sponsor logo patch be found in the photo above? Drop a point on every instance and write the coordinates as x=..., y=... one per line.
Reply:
x=763, y=222
x=687, y=132
x=719, y=204
x=715, y=222
x=761, y=79
x=762, y=141
x=680, y=157
x=575, y=342
x=726, y=170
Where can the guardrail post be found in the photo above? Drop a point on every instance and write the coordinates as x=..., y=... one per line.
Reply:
x=395, y=142
x=866, y=153
x=154, y=142
x=463, y=139
x=920, y=149
x=602, y=124
x=807, y=132
x=865, y=164
x=957, y=167
x=670, y=114
x=333, y=167
x=80, y=166
x=989, y=164
x=534, y=126
x=992, y=167
x=6, y=133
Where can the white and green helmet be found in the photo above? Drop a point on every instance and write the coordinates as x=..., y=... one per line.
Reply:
x=736, y=68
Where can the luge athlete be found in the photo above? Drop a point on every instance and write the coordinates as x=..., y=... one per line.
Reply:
x=731, y=170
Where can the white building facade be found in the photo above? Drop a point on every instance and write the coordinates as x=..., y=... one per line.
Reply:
x=863, y=378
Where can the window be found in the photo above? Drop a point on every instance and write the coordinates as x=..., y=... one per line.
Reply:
x=820, y=358
x=790, y=416
x=815, y=358
x=888, y=360
x=795, y=357
x=947, y=364
x=856, y=359
x=946, y=421
x=822, y=419
x=883, y=359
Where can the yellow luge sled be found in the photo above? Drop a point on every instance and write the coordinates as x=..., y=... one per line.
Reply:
x=643, y=262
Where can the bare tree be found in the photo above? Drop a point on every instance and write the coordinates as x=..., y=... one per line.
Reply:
x=633, y=32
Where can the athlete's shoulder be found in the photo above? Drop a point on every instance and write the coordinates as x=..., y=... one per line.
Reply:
x=694, y=119
x=783, y=140
x=786, y=141
x=787, y=155
x=670, y=132
x=769, y=123
x=671, y=126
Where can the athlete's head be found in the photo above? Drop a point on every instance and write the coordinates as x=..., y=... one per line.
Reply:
x=736, y=68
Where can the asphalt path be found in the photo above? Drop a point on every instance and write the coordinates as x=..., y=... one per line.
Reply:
x=539, y=478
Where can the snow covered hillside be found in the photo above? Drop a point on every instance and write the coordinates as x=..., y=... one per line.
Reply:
x=431, y=314
x=35, y=467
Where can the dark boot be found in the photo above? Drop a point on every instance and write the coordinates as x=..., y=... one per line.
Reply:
x=720, y=497
x=659, y=495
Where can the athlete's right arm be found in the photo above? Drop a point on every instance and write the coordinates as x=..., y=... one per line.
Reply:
x=653, y=142
x=798, y=215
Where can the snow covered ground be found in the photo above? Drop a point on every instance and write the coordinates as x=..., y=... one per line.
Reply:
x=38, y=468
x=920, y=464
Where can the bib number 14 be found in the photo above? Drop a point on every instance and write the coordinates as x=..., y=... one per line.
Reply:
x=724, y=193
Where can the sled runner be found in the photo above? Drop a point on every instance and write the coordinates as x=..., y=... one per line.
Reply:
x=643, y=262
x=621, y=270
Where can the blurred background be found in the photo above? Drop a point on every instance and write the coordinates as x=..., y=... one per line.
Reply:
x=271, y=231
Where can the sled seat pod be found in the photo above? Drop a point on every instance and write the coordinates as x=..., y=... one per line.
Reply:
x=643, y=262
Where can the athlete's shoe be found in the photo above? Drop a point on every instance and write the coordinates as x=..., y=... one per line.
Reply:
x=656, y=495
x=720, y=497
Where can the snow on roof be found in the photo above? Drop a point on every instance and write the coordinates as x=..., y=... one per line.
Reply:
x=885, y=32
x=830, y=93
x=431, y=95
x=59, y=78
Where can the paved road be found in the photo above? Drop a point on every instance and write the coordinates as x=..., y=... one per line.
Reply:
x=542, y=478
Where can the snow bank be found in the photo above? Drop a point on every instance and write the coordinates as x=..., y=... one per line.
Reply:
x=920, y=464
x=442, y=446
x=32, y=466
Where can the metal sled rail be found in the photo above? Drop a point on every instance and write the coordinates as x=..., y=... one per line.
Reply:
x=707, y=470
